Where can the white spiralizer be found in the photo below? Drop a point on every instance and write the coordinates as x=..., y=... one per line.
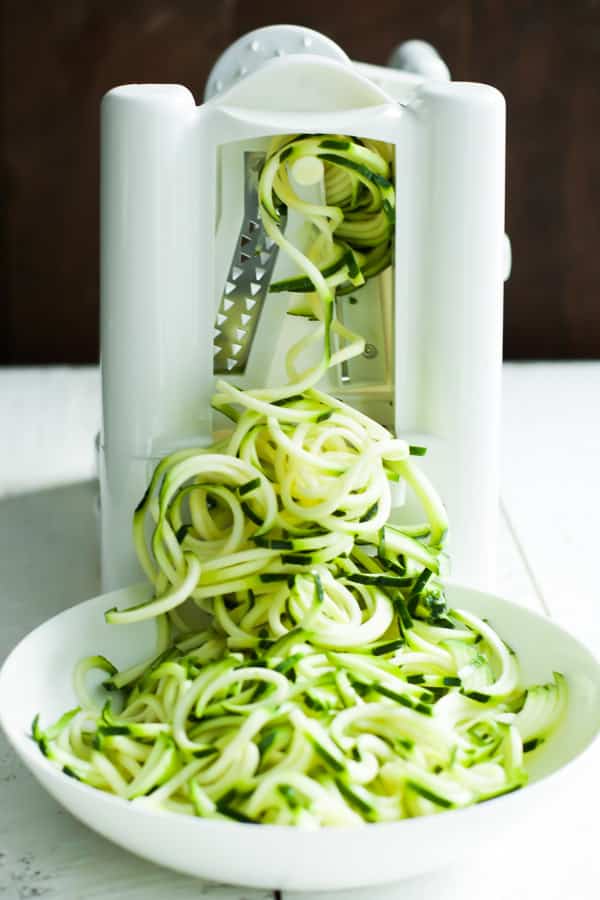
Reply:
x=184, y=262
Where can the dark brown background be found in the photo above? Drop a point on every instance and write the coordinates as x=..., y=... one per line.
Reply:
x=58, y=58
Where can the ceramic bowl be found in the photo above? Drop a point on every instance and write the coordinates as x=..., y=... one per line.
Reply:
x=36, y=677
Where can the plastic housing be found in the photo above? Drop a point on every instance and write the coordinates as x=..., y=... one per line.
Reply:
x=167, y=238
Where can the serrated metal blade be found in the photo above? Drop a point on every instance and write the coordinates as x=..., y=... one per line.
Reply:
x=247, y=283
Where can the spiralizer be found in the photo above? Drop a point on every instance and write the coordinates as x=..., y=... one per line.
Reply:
x=187, y=267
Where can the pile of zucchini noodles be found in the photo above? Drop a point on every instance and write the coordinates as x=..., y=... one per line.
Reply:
x=308, y=670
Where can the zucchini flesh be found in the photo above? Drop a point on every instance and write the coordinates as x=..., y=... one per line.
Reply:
x=329, y=684
x=354, y=226
x=542, y=712
x=281, y=710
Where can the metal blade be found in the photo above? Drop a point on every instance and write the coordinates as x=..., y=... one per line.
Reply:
x=247, y=283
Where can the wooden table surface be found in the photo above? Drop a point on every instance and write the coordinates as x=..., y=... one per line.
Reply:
x=548, y=552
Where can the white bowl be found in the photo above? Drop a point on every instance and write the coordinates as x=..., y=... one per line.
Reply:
x=36, y=677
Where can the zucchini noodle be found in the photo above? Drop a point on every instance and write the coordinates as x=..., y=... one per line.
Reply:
x=308, y=670
x=355, y=229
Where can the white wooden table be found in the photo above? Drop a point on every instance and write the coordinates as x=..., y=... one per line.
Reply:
x=548, y=554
